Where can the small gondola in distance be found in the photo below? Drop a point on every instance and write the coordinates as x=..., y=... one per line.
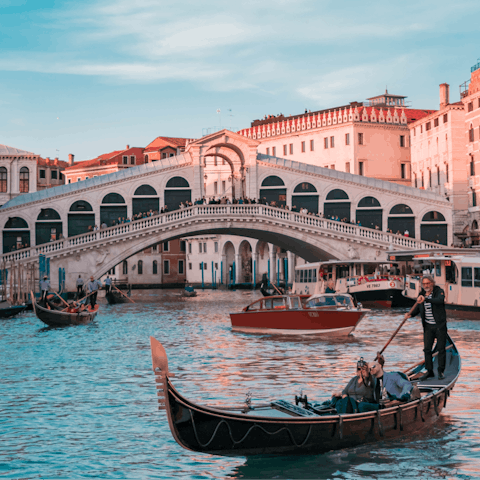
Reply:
x=12, y=310
x=284, y=428
x=59, y=318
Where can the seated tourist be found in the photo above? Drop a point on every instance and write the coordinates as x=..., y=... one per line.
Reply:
x=330, y=287
x=391, y=385
x=358, y=395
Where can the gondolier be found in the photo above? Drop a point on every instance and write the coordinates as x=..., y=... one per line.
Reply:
x=92, y=289
x=44, y=287
x=79, y=286
x=431, y=306
x=108, y=285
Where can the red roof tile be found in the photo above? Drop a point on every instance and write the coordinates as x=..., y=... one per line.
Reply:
x=162, y=142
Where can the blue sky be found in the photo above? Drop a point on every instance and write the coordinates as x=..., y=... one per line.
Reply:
x=88, y=77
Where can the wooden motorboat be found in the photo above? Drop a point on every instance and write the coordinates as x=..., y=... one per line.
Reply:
x=284, y=428
x=54, y=317
x=9, y=311
x=325, y=314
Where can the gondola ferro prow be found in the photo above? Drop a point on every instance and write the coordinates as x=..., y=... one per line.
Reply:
x=160, y=368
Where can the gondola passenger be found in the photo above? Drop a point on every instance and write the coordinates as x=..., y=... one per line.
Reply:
x=358, y=395
x=391, y=385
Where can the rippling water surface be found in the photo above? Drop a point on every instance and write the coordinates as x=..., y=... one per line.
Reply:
x=80, y=402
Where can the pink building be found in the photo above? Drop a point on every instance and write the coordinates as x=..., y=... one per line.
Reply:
x=369, y=138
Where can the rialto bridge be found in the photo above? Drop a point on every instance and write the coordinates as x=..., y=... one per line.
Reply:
x=34, y=224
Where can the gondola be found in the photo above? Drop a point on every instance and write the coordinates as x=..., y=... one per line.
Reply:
x=116, y=296
x=11, y=310
x=287, y=428
x=271, y=291
x=58, y=318
x=186, y=293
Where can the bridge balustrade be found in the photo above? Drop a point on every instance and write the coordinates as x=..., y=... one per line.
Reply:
x=216, y=211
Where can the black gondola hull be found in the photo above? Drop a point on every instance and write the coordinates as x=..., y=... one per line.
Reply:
x=56, y=318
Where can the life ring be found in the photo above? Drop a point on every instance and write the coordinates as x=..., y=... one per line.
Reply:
x=392, y=284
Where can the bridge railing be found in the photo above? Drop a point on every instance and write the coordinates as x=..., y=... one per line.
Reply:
x=204, y=211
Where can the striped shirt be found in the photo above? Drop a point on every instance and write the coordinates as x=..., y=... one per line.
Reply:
x=429, y=318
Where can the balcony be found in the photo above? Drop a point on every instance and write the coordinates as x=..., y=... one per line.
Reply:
x=464, y=89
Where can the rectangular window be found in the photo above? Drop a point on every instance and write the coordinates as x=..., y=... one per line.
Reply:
x=472, y=167
x=125, y=160
x=347, y=139
x=332, y=142
x=189, y=266
x=183, y=246
x=216, y=247
x=166, y=267
x=445, y=118
x=200, y=247
x=181, y=268
x=467, y=279
x=132, y=160
x=291, y=149
x=476, y=279
x=166, y=246
x=428, y=126
x=155, y=268
x=79, y=179
x=285, y=150
x=61, y=176
x=155, y=248
x=223, y=186
x=347, y=167
x=204, y=248
x=435, y=122
x=274, y=151
x=268, y=151
x=215, y=188
x=312, y=145
x=205, y=265
x=360, y=168
x=86, y=178
x=125, y=267
x=189, y=248
x=474, y=198
x=471, y=135
x=42, y=173
x=172, y=154
x=303, y=147
x=54, y=174
x=332, y=167
x=402, y=170
x=470, y=107
x=360, y=138
x=402, y=140
x=325, y=142
x=69, y=180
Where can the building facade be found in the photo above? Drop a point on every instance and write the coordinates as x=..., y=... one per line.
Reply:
x=50, y=173
x=364, y=138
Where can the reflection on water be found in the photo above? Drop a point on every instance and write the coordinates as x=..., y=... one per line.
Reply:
x=81, y=401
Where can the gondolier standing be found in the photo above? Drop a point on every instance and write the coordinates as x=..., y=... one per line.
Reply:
x=44, y=287
x=92, y=288
x=431, y=306
x=108, y=285
x=79, y=286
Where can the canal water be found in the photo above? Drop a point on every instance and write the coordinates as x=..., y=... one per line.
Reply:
x=80, y=402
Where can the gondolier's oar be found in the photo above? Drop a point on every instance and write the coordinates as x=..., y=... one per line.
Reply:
x=61, y=298
x=86, y=296
x=278, y=291
x=123, y=293
x=379, y=354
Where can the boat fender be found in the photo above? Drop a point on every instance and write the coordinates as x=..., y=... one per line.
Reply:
x=380, y=426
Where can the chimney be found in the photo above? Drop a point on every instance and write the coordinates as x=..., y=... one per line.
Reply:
x=444, y=95
x=127, y=147
x=55, y=162
x=70, y=159
x=47, y=159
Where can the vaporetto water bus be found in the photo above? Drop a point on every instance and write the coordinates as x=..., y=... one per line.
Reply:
x=456, y=271
x=374, y=284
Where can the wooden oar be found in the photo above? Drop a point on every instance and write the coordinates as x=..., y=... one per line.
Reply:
x=278, y=291
x=123, y=293
x=61, y=298
x=396, y=331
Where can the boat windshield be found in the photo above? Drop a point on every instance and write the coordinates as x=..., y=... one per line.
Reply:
x=329, y=300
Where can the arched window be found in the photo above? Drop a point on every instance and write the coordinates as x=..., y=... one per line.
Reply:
x=113, y=198
x=3, y=180
x=16, y=234
x=368, y=202
x=474, y=225
x=146, y=158
x=433, y=217
x=81, y=206
x=155, y=267
x=177, y=182
x=401, y=209
x=337, y=195
x=305, y=196
x=145, y=190
x=24, y=180
x=471, y=134
x=304, y=188
x=140, y=267
x=48, y=214
x=16, y=222
x=273, y=181
x=125, y=267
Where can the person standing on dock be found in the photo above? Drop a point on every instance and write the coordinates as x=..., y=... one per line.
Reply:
x=108, y=285
x=44, y=287
x=92, y=289
x=79, y=286
x=431, y=306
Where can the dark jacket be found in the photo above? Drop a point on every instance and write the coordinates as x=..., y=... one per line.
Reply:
x=438, y=307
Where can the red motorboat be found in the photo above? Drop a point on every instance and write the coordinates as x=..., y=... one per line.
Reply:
x=325, y=314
